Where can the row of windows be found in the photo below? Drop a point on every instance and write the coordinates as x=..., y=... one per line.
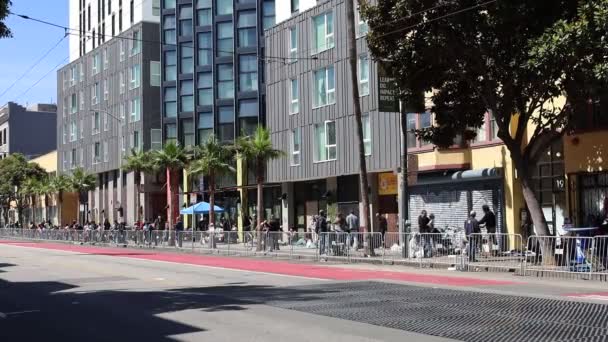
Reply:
x=325, y=145
x=132, y=107
x=222, y=8
x=324, y=86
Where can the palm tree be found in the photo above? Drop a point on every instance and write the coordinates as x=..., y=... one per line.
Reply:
x=29, y=189
x=212, y=160
x=42, y=191
x=138, y=162
x=258, y=150
x=172, y=158
x=58, y=186
x=81, y=181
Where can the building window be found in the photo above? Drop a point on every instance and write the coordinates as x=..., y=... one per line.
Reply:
x=168, y=4
x=187, y=60
x=73, y=159
x=105, y=152
x=187, y=132
x=95, y=93
x=295, y=6
x=106, y=122
x=325, y=141
x=136, y=43
x=324, y=87
x=156, y=139
x=106, y=90
x=224, y=7
x=362, y=27
x=135, y=109
x=225, y=39
x=269, y=13
x=247, y=28
x=363, y=75
x=73, y=131
x=170, y=102
x=248, y=116
x=106, y=59
x=203, y=12
x=81, y=96
x=185, y=21
x=170, y=133
x=225, y=81
x=293, y=44
x=186, y=93
x=135, y=73
x=81, y=68
x=296, y=141
x=204, y=126
x=97, y=153
x=248, y=73
x=123, y=110
x=122, y=47
x=322, y=32
x=96, y=122
x=205, y=49
x=121, y=81
x=367, y=133
x=417, y=121
x=95, y=64
x=156, y=8
x=493, y=126
x=170, y=66
x=169, y=29
x=135, y=144
x=294, y=96
x=482, y=131
x=155, y=73
x=81, y=128
x=66, y=105
x=488, y=131
x=74, y=104
x=205, y=89
x=226, y=123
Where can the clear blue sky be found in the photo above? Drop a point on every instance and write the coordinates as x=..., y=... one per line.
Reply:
x=30, y=41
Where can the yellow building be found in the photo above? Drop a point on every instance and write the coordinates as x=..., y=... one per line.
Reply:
x=48, y=208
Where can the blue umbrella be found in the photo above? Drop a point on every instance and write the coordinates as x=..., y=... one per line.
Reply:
x=200, y=208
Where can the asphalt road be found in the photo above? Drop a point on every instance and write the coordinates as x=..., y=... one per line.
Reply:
x=97, y=295
x=48, y=295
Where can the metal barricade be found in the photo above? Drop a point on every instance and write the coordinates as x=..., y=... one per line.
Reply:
x=400, y=248
x=494, y=251
x=600, y=259
x=564, y=256
x=438, y=249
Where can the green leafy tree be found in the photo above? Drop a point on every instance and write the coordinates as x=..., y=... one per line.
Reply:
x=59, y=185
x=172, y=159
x=5, y=32
x=138, y=162
x=14, y=171
x=257, y=149
x=512, y=58
x=212, y=160
x=81, y=181
x=29, y=190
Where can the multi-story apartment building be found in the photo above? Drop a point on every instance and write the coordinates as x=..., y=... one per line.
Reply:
x=109, y=105
x=213, y=60
x=25, y=130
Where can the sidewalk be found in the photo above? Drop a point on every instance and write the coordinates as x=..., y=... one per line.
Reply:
x=503, y=283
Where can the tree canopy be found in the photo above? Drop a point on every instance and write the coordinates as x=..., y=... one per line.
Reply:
x=5, y=32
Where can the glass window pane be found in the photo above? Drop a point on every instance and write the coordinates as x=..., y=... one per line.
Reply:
x=248, y=108
x=204, y=49
x=205, y=120
x=225, y=35
x=226, y=115
x=187, y=66
x=224, y=7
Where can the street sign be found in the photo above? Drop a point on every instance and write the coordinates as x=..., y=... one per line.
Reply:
x=388, y=100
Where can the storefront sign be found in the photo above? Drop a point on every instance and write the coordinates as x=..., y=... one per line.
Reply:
x=387, y=183
x=387, y=95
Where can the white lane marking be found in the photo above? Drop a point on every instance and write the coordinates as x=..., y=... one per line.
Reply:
x=595, y=297
x=159, y=279
x=179, y=263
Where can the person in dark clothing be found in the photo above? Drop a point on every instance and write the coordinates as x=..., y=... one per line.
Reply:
x=471, y=227
x=321, y=229
x=423, y=222
x=106, y=224
x=158, y=223
x=179, y=231
x=382, y=224
x=274, y=227
x=489, y=220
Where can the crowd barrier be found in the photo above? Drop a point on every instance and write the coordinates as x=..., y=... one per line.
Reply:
x=542, y=256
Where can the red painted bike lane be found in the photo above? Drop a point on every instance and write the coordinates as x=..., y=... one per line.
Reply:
x=266, y=266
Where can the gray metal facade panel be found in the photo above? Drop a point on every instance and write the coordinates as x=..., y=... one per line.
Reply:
x=149, y=100
x=385, y=128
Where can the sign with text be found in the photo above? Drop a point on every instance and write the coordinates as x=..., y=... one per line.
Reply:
x=387, y=183
x=388, y=100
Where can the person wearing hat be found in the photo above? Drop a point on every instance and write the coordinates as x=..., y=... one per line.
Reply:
x=471, y=228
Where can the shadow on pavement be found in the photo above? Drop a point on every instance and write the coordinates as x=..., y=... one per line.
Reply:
x=39, y=311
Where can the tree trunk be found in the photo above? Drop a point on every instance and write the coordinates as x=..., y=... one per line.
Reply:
x=363, y=184
x=170, y=196
x=59, y=209
x=137, y=190
x=260, y=202
x=212, y=210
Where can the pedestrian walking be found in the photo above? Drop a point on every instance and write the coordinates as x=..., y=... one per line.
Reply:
x=321, y=230
x=423, y=222
x=489, y=221
x=471, y=229
x=382, y=225
x=352, y=224
x=179, y=230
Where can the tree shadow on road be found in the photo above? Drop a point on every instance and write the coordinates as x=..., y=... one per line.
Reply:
x=61, y=313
